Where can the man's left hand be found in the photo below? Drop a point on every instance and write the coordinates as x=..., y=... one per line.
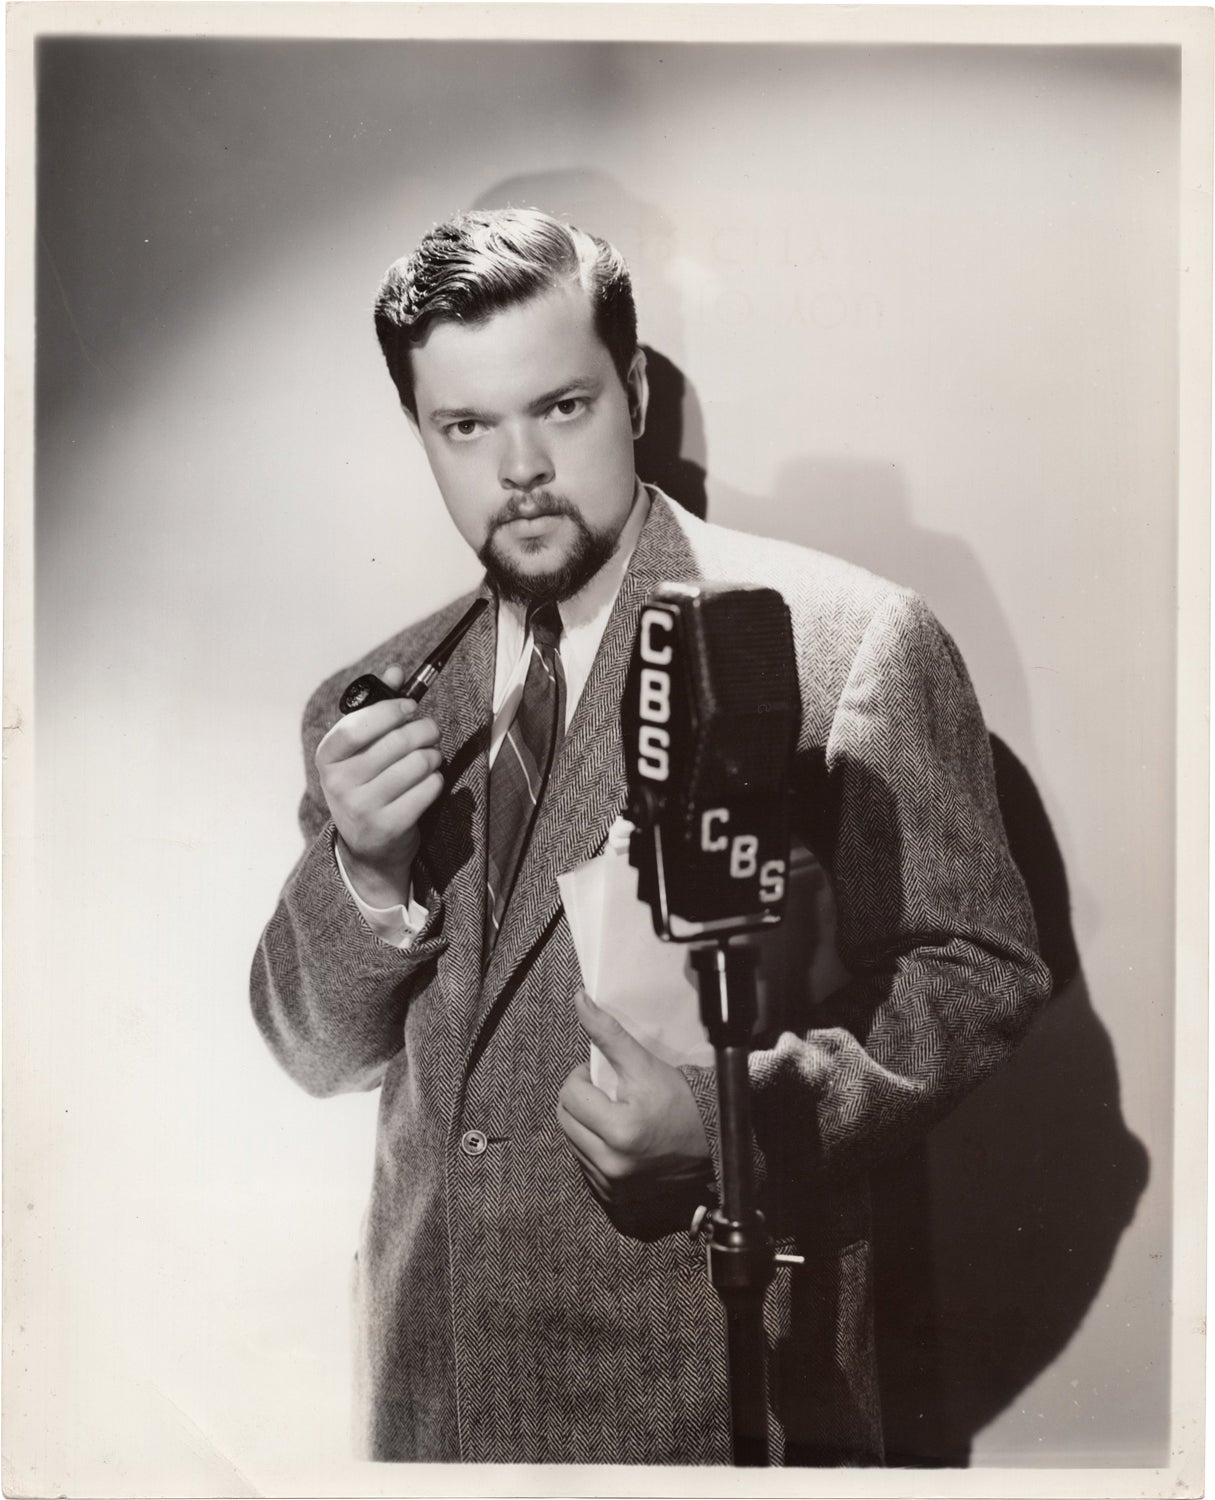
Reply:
x=644, y=1154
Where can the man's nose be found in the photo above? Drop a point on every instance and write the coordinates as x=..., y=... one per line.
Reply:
x=524, y=462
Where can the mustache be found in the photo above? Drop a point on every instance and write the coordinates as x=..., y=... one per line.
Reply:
x=529, y=507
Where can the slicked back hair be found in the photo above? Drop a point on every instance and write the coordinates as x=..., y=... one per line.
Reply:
x=478, y=263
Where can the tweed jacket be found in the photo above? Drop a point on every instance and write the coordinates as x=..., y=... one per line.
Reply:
x=500, y=1315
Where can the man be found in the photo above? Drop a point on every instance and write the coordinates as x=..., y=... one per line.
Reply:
x=527, y=1287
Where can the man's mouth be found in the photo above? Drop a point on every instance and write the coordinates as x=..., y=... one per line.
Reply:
x=534, y=507
x=534, y=524
x=531, y=519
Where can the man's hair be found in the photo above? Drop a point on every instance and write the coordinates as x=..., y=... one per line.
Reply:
x=478, y=263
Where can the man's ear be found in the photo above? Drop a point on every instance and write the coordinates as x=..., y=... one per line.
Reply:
x=637, y=388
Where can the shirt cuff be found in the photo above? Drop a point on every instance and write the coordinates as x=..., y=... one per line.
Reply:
x=398, y=926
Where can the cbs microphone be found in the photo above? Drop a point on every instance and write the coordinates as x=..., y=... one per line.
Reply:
x=709, y=717
x=709, y=720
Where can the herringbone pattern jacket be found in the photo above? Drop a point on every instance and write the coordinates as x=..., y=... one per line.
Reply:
x=502, y=1317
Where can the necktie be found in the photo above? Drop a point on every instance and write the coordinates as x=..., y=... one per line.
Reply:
x=521, y=768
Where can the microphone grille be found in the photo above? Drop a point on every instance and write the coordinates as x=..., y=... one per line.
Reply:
x=745, y=657
x=745, y=691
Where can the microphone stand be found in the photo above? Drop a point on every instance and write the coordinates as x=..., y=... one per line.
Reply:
x=741, y=1259
x=741, y=1256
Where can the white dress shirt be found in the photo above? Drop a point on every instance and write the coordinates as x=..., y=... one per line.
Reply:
x=583, y=619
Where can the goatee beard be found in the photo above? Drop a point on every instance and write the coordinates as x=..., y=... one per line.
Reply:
x=589, y=552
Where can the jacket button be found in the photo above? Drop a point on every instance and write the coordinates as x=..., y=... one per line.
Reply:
x=474, y=1143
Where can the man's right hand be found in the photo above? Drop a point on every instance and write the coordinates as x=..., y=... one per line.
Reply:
x=379, y=770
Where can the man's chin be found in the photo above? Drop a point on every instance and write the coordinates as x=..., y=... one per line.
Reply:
x=527, y=580
x=544, y=574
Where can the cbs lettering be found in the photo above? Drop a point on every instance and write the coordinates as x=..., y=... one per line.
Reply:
x=654, y=739
x=654, y=760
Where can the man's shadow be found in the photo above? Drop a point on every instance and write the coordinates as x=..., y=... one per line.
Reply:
x=661, y=451
x=994, y=1235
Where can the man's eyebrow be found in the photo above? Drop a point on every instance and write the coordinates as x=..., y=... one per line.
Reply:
x=455, y=414
x=580, y=384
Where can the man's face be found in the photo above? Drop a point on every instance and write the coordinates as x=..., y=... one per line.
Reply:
x=529, y=433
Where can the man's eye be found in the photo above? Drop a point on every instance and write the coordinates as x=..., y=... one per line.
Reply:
x=466, y=427
x=569, y=406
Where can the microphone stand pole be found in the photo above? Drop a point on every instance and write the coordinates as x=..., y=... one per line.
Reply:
x=741, y=1259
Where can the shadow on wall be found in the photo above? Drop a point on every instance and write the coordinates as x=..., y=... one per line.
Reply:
x=994, y=1235
x=659, y=452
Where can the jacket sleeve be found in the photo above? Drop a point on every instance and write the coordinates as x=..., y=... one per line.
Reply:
x=934, y=924
x=328, y=996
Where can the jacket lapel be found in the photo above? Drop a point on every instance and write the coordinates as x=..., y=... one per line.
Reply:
x=586, y=791
x=461, y=703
